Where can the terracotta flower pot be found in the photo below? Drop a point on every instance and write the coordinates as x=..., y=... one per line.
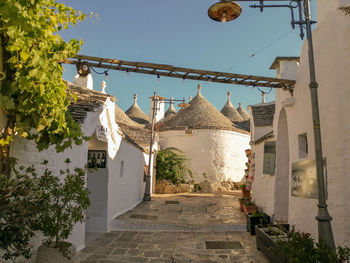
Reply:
x=245, y=193
x=242, y=202
x=249, y=208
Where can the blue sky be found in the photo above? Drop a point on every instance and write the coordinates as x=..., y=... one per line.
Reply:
x=181, y=34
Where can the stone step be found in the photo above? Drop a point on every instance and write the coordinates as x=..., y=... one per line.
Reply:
x=138, y=225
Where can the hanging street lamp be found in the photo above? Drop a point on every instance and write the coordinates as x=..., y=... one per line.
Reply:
x=226, y=10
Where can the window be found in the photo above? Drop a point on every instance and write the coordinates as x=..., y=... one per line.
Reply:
x=121, y=168
x=303, y=146
x=269, y=158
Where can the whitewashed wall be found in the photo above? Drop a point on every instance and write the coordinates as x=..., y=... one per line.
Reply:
x=332, y=57
x=125, y=190
x=263, y=184
x=219, y=154
x=114, y=193
x=27, y=154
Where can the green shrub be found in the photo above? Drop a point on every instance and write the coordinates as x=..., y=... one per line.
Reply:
x=64, y=204
x=171, y=166
x=30, y=202
x=20, y=199
x=300, y=247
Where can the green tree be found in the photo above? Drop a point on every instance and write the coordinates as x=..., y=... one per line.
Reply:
x=33, y=96
x=171, y=166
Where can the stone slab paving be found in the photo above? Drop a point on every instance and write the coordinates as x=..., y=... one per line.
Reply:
x=172, y=247
x=193, y=212
x=175, y=229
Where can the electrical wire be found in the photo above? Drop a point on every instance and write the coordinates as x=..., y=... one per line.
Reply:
x=104, y=72
x=264, y=91
x=261, y=49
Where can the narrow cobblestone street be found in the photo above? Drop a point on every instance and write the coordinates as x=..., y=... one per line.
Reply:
x=177, y=228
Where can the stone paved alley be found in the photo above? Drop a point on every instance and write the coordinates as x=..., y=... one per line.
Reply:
x=177, y=228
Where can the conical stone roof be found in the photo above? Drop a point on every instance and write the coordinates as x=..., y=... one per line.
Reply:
x=200, y=115
x=230, y=112
x=136, y=114
x=243, y=112
x=171, y=111
x=122, y=118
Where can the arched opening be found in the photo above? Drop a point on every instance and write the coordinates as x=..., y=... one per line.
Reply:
x=282, y=169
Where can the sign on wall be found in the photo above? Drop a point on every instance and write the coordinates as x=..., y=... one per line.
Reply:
x=269, y=158
x=304, y=179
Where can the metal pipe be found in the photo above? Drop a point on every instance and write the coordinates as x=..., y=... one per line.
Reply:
x=325, y=233
x=147, y=194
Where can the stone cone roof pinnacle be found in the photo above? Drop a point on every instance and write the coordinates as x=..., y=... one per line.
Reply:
x=171, y=111
x=136, y=114
x=243, y=112
x=230, y=112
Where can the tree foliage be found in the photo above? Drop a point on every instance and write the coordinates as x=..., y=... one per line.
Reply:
x=30, y=202
x=171, y=166
x=64, y=204
x=33, y=95
x=20, y=199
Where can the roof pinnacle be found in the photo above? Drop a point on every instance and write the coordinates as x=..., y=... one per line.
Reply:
x=199, y=87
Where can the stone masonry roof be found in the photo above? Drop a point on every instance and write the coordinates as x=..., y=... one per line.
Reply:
x=87, y=100
x=263, y=113
x=230, y=112
x=171, y=111
x=134, y=133
x=200, y=115
x=243, y=112
x=136, y=114
x=140, y=137
x=121, y=117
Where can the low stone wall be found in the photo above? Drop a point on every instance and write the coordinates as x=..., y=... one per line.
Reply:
x=167, y=187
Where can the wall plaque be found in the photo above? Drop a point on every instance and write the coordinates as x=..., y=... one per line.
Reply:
x=304, y=178
x=269, y=158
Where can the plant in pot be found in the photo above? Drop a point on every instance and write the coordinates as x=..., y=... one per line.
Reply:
x=267, y=238
x=258, y=218
x=243, y=201
x=249, y=207
x=63, y=205
x=245, y=191
x=301, y=247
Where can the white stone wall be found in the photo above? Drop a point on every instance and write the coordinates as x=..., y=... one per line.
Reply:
x=112, y=193
x=263, y=184
x=219, y=154
x=125, y=190
x=27, y=154
x=332, y=55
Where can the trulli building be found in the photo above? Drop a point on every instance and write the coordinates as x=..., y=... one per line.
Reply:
x=214, y=146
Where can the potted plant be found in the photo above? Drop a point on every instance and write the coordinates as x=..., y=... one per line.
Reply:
x=63, y=205
x=243, y=201
x=245, y=191
x=257, y=218
x=266, y=241
x=249, y=207
x=301, y=247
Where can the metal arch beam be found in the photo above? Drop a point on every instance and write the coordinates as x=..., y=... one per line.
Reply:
x=180, y=72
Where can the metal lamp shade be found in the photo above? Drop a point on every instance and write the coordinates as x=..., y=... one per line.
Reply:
x=224, y=11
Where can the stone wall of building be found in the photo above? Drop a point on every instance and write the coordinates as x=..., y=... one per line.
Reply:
x=332, y=59
x=219, y=154
x=264, y=184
